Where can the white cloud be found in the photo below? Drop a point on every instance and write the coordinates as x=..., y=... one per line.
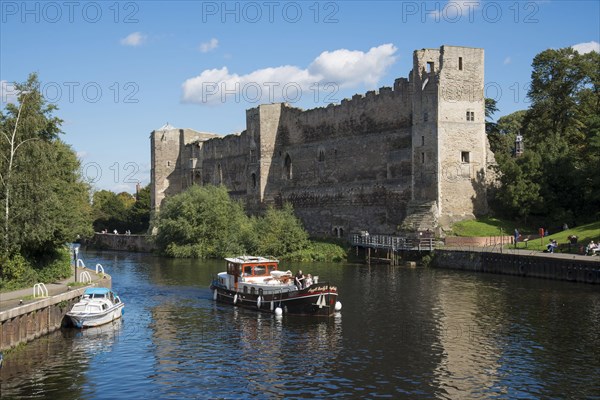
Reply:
x=134, y=39
x=344, y=68
x=8, y=92
x=507, y=60
x=82, y=154
x=587, y=47
x=209, y=46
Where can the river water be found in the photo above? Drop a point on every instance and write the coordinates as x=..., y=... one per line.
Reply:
x=402, y=333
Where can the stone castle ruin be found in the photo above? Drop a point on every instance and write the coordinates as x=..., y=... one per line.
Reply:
x=411, y=157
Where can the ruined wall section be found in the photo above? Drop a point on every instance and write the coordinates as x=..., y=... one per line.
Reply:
x=172, y=156
x=345, y=166
x=225, y=162
x=425, y=137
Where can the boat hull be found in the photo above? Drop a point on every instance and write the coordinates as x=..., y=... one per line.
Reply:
x=317, y=300
x=88, y=320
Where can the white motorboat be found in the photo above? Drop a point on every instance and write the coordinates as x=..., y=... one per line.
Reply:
x=98, y=306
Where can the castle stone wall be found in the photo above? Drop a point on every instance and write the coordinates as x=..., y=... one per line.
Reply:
x=364, y=164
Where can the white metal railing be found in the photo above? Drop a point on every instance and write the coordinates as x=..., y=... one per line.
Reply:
x=99, y=267
x=41, y=289
x=392, y=242
x=85, y=277
x=80, y=263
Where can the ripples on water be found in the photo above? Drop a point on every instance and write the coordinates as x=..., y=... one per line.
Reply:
x=402, y=333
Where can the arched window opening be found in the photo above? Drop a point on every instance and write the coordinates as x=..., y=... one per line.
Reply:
x=253, y=178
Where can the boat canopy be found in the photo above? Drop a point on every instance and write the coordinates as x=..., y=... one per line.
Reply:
x=92, y=291
x=250, y=259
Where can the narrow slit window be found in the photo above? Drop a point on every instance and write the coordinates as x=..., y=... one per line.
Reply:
x=422, y=158
x=470, y=115
x=425, y=117
x=422, y=140
x=430, y=67
x=460, y=64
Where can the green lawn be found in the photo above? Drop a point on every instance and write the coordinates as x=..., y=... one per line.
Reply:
x=584, y=234
x=494, y=227
x=486, y=226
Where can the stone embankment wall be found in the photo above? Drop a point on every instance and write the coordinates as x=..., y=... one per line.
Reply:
x=579, y=269
x=110, y=241
x=26, y=322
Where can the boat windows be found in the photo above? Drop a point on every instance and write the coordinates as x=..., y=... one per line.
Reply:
x=270, y=268
x=248, y=270
x=245, y=289
x=252, y=290
x=259, y=270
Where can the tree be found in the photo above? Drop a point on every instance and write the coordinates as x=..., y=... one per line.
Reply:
x=519, y=193
x=32, y=120
x=562, y=127
x=491, y=108
x=202, y=222
x=280, y=232
x=46, y=202
x=502, y=138
x=557, y=177
x=138, y=216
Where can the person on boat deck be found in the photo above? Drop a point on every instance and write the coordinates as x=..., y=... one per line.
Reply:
x=308, y=281
x=299, y=279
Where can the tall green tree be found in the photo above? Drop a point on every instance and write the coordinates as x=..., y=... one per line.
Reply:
x=562, y=128
x=502, y=137
x=138, y=217
x=45, y=200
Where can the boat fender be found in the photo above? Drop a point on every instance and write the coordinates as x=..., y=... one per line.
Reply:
x=258, y=302
x=278, y=311
x=338, y=306
x=272, y=306
x=235, y=298
x=215, y=294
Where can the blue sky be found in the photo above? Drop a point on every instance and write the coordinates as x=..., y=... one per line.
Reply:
x=118, y=70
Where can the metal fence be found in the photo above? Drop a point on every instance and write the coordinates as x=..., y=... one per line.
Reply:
x=392, y=242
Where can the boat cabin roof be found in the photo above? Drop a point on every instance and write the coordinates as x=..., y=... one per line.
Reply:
x=251, y=260
x=92, y=291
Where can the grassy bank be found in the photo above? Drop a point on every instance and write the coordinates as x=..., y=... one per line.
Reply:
x=494, y=227
x=585, y=233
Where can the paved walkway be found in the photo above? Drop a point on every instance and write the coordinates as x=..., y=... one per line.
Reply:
x=524, y=252
x=13, y=299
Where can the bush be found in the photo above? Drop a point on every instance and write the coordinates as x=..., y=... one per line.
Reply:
x=318, y=251
x=202, y=222
x=280, y=233
x=54, y=266
x=16, y=272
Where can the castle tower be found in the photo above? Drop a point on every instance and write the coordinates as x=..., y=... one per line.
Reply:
x=449, y=142
x=174, y=157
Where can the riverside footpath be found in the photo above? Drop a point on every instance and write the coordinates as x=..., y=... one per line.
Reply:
x=27, y=314
x=521, y=262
